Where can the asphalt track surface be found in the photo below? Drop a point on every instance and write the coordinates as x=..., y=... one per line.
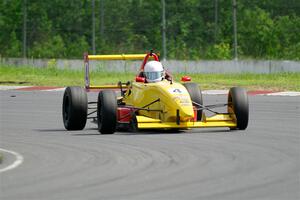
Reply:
x=262, y=162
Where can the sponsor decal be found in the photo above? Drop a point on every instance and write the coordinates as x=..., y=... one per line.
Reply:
x=183, y=100
x=176, y=91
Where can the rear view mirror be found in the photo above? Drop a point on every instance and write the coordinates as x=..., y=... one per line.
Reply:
x=140, y=79
x=186, y=79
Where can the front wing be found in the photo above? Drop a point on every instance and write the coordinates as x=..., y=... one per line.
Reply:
x=218, y=120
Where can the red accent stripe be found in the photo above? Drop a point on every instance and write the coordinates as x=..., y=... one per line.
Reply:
x=259, y=92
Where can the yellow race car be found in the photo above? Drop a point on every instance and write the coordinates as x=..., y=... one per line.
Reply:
x=142, y=104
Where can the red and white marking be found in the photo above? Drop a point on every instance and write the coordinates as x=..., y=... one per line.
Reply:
x=207, y=92
x=287, y=93
x=254, y=93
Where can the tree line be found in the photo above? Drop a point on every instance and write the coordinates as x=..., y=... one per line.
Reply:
x=195, y=29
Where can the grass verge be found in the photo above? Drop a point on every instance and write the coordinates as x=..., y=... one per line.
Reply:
x=27, y=75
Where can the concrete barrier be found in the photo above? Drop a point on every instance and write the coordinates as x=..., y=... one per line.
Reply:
x=177, y=66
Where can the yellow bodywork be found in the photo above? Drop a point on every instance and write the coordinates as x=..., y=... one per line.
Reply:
x=117, y=57
x=170, y=101
x=220, y=120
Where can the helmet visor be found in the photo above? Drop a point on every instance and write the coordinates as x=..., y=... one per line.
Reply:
x=153, y=75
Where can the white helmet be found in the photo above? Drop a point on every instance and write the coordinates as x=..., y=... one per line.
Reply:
x=153, y=71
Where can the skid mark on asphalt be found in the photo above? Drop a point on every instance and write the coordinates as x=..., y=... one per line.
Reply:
x=19, y=160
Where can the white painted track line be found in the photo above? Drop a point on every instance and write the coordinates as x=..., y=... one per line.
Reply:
x=55, y=90
x=215, y=92
x=287, y=93
x=19, y=160
x=8, y=87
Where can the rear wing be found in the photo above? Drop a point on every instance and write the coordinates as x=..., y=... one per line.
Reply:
x=87, y=58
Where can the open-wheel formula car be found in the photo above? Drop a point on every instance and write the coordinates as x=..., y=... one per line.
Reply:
x=144, y=104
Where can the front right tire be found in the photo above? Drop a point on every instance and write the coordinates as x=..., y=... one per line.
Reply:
x=196, y=96
x=107, y=112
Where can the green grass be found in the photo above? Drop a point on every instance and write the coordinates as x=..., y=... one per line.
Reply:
x=274, y=82
x=63, y=77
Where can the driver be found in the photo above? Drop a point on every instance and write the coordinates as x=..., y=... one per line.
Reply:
x=154, y=72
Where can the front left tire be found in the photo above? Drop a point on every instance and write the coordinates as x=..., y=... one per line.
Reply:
x=238, y=107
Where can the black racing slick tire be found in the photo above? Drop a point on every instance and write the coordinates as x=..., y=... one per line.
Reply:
x=196, y=96
x=107, y=112
x=74, y=108
x=239, y=106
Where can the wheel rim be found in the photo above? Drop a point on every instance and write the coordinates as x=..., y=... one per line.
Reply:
x=230, y=104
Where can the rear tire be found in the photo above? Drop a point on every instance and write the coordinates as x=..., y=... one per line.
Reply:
x=196, y=96
x=107, y=112
x=239, y=106
x=74, y=108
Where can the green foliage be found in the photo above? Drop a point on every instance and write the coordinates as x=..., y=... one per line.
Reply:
x=14, y=48
x=52, y=48
x=267, y=29
x=77, y=48
x=292, y=52
x=219, y=51
x=52, y=64
x=289, y=41
x=257, y=36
